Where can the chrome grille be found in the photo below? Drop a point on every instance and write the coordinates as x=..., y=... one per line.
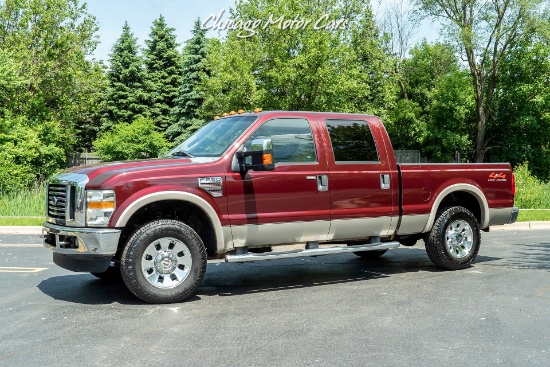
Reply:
x=57, y=201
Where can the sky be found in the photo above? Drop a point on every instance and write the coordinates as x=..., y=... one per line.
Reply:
x=179, y=14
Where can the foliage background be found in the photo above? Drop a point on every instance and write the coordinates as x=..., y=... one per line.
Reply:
x=55, y=99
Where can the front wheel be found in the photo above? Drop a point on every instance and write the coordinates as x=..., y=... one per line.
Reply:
x=453, y=242
x=163, y=262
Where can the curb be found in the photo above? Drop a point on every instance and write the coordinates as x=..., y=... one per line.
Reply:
x=521, y=226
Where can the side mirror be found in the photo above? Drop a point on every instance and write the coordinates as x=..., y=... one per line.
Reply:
x=262, y=156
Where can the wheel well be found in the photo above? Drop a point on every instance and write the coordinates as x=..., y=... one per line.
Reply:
x=465, y=199
x=182, y=211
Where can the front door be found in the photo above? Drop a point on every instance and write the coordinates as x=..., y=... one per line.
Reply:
x=290, y=204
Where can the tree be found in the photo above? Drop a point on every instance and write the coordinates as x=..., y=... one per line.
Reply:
x=125, y=97
x=47, y=43
x=521, y=128
x=138, y=140
x=190, y=96
x=332, y=61
x=164, y=71
x=486, y=32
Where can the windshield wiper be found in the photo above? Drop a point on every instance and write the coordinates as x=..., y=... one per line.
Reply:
x=182, y=153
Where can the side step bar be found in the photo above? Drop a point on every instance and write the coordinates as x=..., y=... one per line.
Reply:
x=309, y=252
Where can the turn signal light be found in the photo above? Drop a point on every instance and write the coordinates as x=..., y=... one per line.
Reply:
x=267, y=159
x=101, y=205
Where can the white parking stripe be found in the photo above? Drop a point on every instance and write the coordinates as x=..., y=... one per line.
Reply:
x=20, y=270
x=20, y=245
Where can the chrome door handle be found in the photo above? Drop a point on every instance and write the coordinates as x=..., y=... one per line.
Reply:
x=385, y=181
x=322, y=182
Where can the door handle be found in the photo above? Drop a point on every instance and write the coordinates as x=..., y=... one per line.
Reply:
x=322, y=182
x=385, y=181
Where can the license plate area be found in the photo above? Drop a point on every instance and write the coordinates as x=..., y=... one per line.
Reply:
x=60, y=241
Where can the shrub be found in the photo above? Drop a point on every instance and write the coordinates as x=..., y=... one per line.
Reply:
x=531, y=192
x=27, y=154
x=137, y=140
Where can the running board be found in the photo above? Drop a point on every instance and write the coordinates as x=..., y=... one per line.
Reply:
x=309, y=252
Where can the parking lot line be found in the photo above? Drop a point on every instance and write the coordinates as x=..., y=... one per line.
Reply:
x=21, y=245
x=15, y=269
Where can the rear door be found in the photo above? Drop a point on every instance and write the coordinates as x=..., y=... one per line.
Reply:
x=289, y=204
x=361, y=182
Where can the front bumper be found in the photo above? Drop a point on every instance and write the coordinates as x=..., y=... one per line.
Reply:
x=81, y=249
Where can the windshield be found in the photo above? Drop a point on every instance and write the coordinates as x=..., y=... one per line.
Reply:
x=213, y=139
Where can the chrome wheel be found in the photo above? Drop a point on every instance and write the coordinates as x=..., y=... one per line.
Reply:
x=166, y=262
x=459, y=239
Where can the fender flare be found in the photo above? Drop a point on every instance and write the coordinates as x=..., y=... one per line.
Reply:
x=175, y=195
x=471, y=189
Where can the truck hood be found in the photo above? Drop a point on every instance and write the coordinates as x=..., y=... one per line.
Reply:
x=101, y=172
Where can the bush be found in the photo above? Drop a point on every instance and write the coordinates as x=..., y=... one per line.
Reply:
x=531, y=192
x=27, y=154
x=137, y=140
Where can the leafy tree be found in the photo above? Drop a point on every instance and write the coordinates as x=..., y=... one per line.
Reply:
x=190, y=96
x=300, y=68
x=125, y=96
x=137, y=140
x=486, y=31
x=521, y=130
x=164, y=70
x=47, y=42
x=436, y=117
x=11, y=82
x=451, y=122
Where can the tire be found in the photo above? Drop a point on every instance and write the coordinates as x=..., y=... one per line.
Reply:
x=111, y=275
x=453, y=242
x=163, y=262
x=370, y=255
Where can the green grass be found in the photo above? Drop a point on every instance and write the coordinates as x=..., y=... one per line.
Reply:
x=533, y=215
x=25, y=203
x=21, y=221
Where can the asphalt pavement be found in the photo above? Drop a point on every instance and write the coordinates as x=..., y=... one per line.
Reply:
x=336, y=310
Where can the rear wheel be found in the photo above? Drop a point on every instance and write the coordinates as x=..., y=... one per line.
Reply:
x=163, y=262
x=453, y=242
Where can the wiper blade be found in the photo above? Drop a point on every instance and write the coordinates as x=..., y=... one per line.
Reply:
x=182, y=153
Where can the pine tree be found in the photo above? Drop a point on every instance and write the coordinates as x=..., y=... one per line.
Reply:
x=190, y=96
x=125, y=97
x=163, y=64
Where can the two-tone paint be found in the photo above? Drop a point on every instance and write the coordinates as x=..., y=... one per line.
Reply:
x=288, y=205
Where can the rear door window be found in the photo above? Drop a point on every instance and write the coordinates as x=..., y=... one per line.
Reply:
x=351, y=141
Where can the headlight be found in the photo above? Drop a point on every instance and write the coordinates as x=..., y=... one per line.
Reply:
x=100, y=205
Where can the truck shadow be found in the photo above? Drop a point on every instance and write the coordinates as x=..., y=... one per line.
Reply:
x=231, y=279
x=528, y=256
x=225, y=279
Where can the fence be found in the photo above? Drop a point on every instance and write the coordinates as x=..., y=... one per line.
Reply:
x=409, y=156
x=82, y=159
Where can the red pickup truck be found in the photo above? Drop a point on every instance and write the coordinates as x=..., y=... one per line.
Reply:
x=248, y=182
